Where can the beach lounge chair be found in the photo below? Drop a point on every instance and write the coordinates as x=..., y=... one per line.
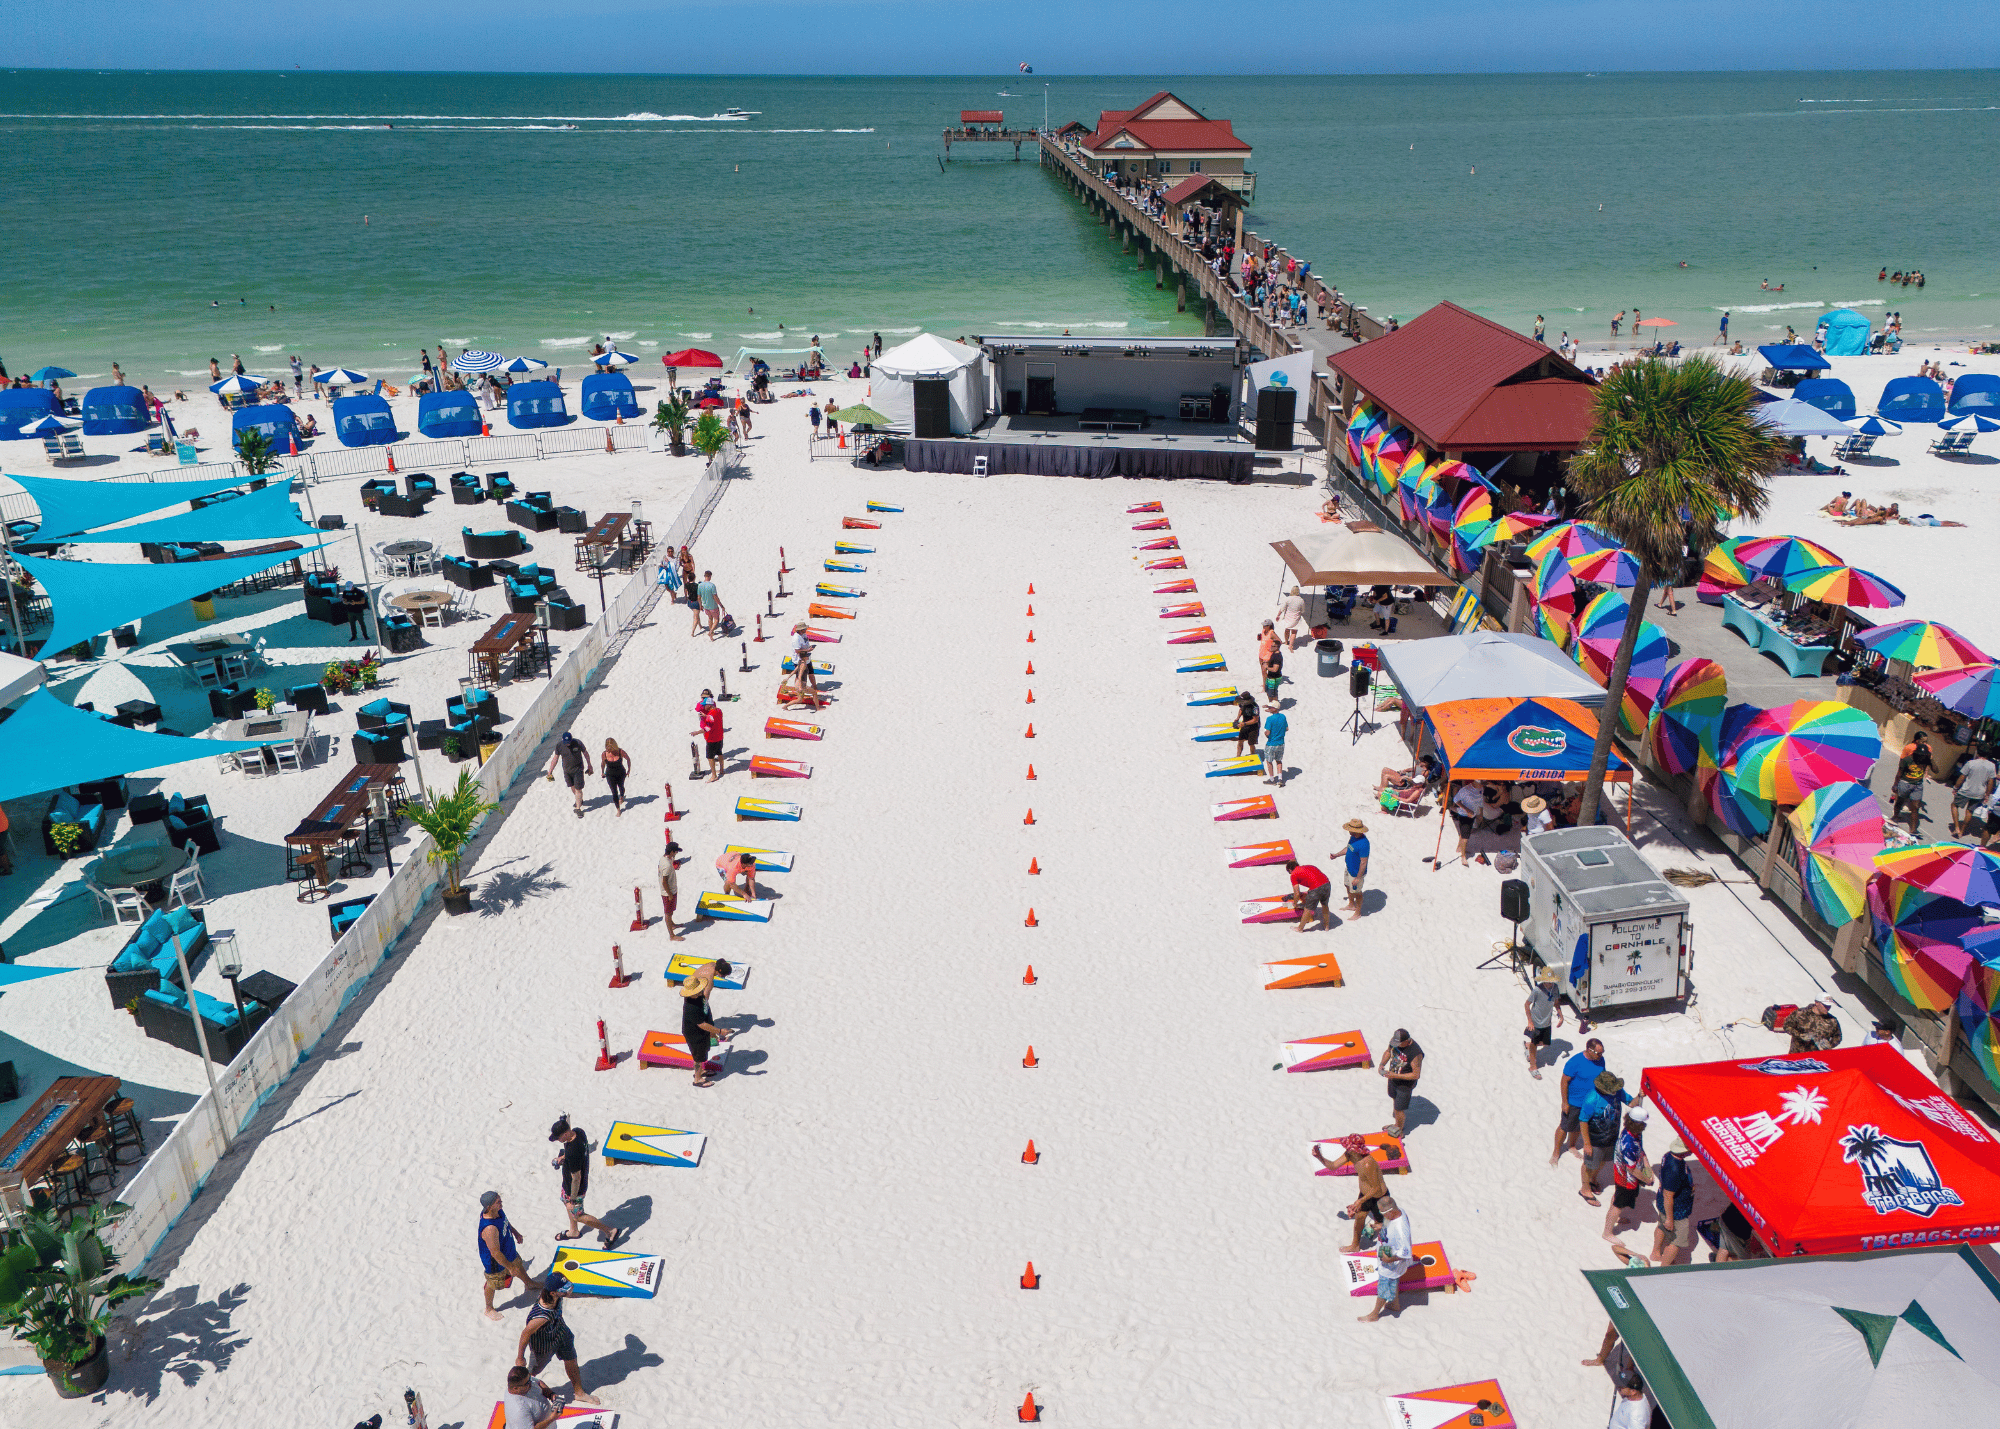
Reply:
x=1848, y=448
x=72, y=447
x=1951, y=444
x=53, y=446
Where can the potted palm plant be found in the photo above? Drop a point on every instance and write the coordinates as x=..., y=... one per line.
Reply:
x=710, y=434
x=672, y=418
x=58, y=1291
x=449, y=820
x=253, y=449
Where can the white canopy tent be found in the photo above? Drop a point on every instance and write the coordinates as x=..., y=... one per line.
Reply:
x=18, y=677
x=929, y=358
x=1341, y=555
x=1485, y=664
x=745, y=354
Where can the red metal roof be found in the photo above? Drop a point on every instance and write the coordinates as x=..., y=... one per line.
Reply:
x=1190, y=187
x=1201, y=135
x=979, y=116
x=1464, y=383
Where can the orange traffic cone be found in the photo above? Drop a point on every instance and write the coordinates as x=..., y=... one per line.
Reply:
x=1031, y=730
x=1031, y=771
x=1031, y=922
x=1031, y=587
x=1028, y=978
x=1031, y=667
x=842, y=446
x=1034, y=865
x=1030, y=1280
x=1030, y=1412
x=1030, y=1060
x=392, y=463
x=1031, y=817
x=1031, y=610
x=1031, y=1157
x=1031, y=697
x=1031, y=634
x=607, y=440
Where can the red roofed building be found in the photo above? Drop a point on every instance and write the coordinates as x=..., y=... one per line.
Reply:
x=1167, y=138
x=979, y=116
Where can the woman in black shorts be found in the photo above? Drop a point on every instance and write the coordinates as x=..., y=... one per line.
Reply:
x=616, y=764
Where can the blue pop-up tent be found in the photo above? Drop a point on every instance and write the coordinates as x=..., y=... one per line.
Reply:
x=1976, y=392
x=114, y=411
x=448, y=414
x=1911, y=399
x=536, y=404
x=607, y=395
x=21, y=405
x=1829, y=394
x=273, y=419
x=1794, y=357
x=1846, y=333
x=364, y=421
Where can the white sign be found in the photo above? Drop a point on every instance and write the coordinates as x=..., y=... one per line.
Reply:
x=1638, y=960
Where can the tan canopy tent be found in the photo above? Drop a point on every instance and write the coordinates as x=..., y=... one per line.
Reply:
x=1341, y=556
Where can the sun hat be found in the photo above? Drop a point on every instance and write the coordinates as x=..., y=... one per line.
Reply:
x=1534, y=804
x=1353, y=1145
x=1355, y=826
x=1608, y=1082
x=1679, y=1148
x=1546, y=976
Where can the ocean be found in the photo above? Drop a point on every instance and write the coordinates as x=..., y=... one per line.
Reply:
x=160, y=219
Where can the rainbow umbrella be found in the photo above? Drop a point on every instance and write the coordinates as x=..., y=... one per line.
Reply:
x=1599, y=628
x=1414, y=488
x=1364, y=421
x=1956, y=870
x=1467, y=546
x=1516, y=523
x=1722, y=572
x=1572, y=538
x=1839, y=830
x=1918, y=936
x=1785, y=753
x=1971, y=689
x=1979, y=997
x=1475, y=509
x=1390, y=455
x=1371, y=451
x=1739, y=810
x=1923, y=643
x=1553, y=580
x=1782, y=557
x=1845, y=585
x=1555, y=619
x=1688, y=706
x=1618, y=568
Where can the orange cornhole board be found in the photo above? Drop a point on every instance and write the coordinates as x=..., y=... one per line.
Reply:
x=1386, y=1148
x=1318, y=971
x=819, y=611
x=665, y=1049
x=1456, y=1406
x=1323, y=1054
x=1431, y=1272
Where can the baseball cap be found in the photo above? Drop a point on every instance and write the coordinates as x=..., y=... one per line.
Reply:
x=1638, y=1114
x=487, y=1198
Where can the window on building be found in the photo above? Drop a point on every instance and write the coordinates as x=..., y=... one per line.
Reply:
x=1166, y=166
x=1194, y=166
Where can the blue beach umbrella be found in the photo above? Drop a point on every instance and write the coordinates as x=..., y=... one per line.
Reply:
x=50, y=374
x=1978, y=421
x=614, y=358
x=1873, y=426
x=476, y=362
x=48, y=427
x=240, y=383
x=524, y=364
x=339, y=376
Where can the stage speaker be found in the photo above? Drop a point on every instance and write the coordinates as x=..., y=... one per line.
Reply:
x=1360, y=680
x=1514, y=900
x=1275, y=407
x=931, y=404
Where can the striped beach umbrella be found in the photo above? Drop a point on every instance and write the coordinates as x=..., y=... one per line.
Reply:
x=1838, y=830
x=1971, y=421
x=1722, y=572
x=49, y=426
x=1979, y=998
x=523, y=364
x=476, y=362
x=1359, y=426
x=612, y=357
x=1475, y=509
x=1781, y=557
x=1845, y=585
x=338, y=376
x=1785, y=753
x=1414, y=488
x=1600, y=626
x=1390, y=455
x=1617, y=567
x=1919, y=936
x=1874, y=426
x=1572, y=538
x=1686, y=711
x=1971, y=690
x=1925, y=644
x=240, y=384
x=1961, y=871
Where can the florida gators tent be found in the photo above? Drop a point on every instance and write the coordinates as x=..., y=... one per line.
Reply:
x=1846, y=333
x=363, y=421
x=114, y=411
x=536, y=404
x=607, y=395
x=21, y=405
x=1829, y=394
x=1831, y=1152
x=1976, y=392
x=273, y=419
x=1524, y=741
x=1911, y=399
x=448, y=414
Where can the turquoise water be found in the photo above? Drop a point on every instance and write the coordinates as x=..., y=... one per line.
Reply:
x=131, y=202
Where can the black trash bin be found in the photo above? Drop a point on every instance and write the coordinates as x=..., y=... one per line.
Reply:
x=1329, y=656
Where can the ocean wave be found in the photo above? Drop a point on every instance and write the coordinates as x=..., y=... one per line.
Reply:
x=643, y=343
x=845, y=131
x=275, y=347
x=795, y=131
x=1071, y=326
x=566, y=342
x=620, y=336
x=902, y=331
x=1766, y=307
x=766, y=336
x=457, y=341
x=699, y=336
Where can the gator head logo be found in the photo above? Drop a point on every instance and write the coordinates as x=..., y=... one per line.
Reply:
x=1537, y=741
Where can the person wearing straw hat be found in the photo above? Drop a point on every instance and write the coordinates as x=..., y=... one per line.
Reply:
x=1366, y=1206
x=1536, y=810
x=802, y=656
x=697, y=1022
x=1355, y=877
x=1544, y=1012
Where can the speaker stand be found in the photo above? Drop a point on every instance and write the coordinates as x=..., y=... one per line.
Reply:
x=1513, y=953
x=1355, y=721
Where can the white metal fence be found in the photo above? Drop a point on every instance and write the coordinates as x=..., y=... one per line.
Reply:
x=160, y=1191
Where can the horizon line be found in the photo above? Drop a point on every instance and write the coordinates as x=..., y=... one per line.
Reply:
x=1030, y=77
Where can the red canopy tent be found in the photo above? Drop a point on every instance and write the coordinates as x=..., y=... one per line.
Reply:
x=691, y=357
x=1833, y=1152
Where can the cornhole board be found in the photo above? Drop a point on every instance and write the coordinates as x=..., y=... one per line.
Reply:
x=763, y=766
x=1258, y=855
x=724, y=909
x=1197, y=664
x=821, y=637
x=848, y=548
x=1318, y=971
x=827, y=612
x=855, y=523
x=881, y=508
x=1164, y=543
x=571, y=1416
x=838, y=592
x=1160, y=524
x=1267, y=910
x=1208, y=733
x=614, y=1274
x=776, y=728
x=748, y=808
x=670, y=1049
x=1324, y=1054
x=769, y=860
x=1221, y=695
x=1193, y=635
x=1387, y=1150
x=1241, y=764
x=846, y=568
x=1186, y=610
x=1167, y=563
x=681, y=967
x=1143, y=508
x=653, y=1145
x=1260, y=806
x=819, y=667
x=1184, y=586
x=1452, y=1407
x=1431, y=1272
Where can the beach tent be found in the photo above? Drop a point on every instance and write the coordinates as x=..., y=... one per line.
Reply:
x=1837, y=1151
x=536, y=404
x=50, y=745
x=1794, y=357
x=747, y=355
x=20, y=406
x=448, y=414
x=1911, y=399
x=1520, y=740
x=1829, y=394
x=927, y=359
x=364, y=421
x=1486, y=664
x=607, y=395
x=1846, y=333
x=1796, y=418
x=273, y=419
x=1976, y=392
x=114, y=411
x=1903, y=1337
x=1336, y=555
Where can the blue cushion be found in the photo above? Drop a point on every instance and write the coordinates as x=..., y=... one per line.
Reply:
x=176, y=804
x=169, y=997
x=214, y=1010
x=131, y=960
x=183, y=921
x=376, y=707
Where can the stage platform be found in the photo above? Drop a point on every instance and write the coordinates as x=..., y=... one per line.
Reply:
x=1061, y=446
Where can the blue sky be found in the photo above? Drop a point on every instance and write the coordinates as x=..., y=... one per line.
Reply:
x=939, y=37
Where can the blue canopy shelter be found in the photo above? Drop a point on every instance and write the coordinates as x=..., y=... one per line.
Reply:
x=607, y=395
x=273, y=419
x=69, y=505
x=21, y=405
x=448, y=414
x=364, y=421
x=92, y=596
x=1976, y=392
x=267, y=515
x=1846, y=333
x=536, y=404
x=1794, y=357
x=50, y=745
x=1829, y=394
x=113, y=411
x=1911, y=399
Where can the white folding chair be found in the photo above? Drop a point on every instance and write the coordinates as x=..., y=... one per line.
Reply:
x=184, y=878
x=235, y=666
x=254, y=763
x=103, y=899
x=129, y=905
x=431, y=615
x=206, y=675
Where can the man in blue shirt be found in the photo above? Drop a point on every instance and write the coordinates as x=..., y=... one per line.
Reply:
x=1578, y=1076
x=1275, y=727
x=1356, y=854
x=1674, y=1239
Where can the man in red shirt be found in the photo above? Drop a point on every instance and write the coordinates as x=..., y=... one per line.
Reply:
x=1311, y=892
x=710, y=715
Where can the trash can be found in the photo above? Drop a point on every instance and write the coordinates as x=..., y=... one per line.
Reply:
x=204, y=606
x=1329, y=656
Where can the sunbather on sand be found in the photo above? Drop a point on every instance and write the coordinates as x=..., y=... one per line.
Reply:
x=1840, y=505
x=1866, y=515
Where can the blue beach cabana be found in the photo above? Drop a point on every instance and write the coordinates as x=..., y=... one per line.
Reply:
x=1794, y=357
x=21, y=406
x=607, y=395
x=1911, y=399
x=536, y=404
x=1976, y=392
x=1829, y=394
x=448, y=414
x=1846, y=333
x=115, y=411
x=273, y=419
x=364, y=421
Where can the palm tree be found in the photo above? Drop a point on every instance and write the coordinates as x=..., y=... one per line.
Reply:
x=253, y=448
x=1673, y=454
